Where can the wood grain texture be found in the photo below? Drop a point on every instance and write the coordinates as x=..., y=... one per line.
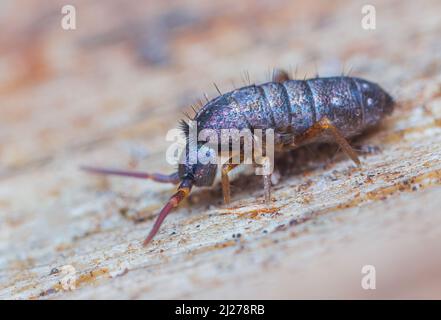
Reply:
x=106, y=94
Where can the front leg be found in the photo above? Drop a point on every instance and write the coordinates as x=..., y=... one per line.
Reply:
x=226, y=168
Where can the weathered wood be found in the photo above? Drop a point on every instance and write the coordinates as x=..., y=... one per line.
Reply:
x=106, y=94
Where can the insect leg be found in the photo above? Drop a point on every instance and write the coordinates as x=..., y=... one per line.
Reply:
x=226, y=168
x=280, y=75
x=267, y=182
x=325, y=125
x=267, y=188
x=265, y=163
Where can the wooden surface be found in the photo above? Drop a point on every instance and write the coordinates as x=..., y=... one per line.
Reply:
x=106, y=94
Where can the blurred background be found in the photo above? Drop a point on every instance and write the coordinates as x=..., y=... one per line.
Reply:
x=107, y=92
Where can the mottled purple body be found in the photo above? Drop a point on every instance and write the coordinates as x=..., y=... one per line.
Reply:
x=298, y=112
x=292, y=107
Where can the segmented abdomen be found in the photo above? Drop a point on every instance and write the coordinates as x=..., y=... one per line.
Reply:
x=298, y=104
x=352, y=104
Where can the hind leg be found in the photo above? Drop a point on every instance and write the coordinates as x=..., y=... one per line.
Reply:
x=325, y=126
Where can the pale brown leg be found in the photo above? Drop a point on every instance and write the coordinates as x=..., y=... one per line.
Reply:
x=226, y=168
x=325, y=125
x=266, y=163
x=280, y=76
x=267, y=188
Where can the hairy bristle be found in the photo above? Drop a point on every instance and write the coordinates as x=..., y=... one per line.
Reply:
x=185, y=113
x=183, y=125
x=217, y=88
